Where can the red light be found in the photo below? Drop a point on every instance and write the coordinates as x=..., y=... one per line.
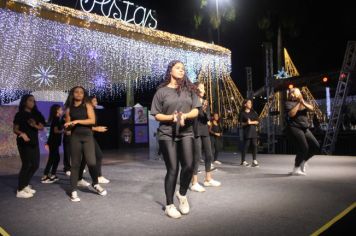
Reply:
x=325, y=79
x=343, y=76
x=290, y=86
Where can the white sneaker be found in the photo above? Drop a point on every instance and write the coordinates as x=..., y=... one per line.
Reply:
x=297, y=172
x=217, y=162
x=83, y=183
x=103, y=180
x=304, y=166
x=172, y=212
x=23, y=194
x=183, y=203
x=74, y=197
x=197, y=188
x=212, y=183
x=67, y=173
x=29, y=189
x=100, y=190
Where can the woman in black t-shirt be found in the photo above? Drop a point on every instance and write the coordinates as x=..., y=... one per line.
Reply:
x=215, y=136
x=202, y=142
x=298, y=130
x=175, y=106
x=249, y=122
x=53, y=143
x=80, y=118
x=27, y=122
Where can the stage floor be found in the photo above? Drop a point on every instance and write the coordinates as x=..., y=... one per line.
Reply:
x=251, y=201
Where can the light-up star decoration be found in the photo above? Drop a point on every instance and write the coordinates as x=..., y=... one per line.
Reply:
x=66, y=47
x=282, y=74
x=44, y=76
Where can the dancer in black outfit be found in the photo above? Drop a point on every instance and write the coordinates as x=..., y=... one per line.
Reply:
x=53, y=143
x=249, y=122
x=175, y=106
x=202, y=141
x=215, y=137
x=98, y=152
x=28, y=120
x=80, y=118
x=298, y=130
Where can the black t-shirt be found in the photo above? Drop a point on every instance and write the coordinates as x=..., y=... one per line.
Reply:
x=250, y=131
x=80, y=113
x=300, y=120
x=215, y=129
x=23, y=120
x=55, y=139
x=200, y=124
x=166, y=101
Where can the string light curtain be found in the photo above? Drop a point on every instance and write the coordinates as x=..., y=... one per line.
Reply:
x=53, y=48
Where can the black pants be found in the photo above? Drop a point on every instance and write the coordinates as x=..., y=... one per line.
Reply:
x=247, y=143
x=201, y=143
x=215, y=146
x=82, y=145
x=53, y=160
x=30, y=158
x=66, y=152
x=175, y=152
x=306, y=144
x=99, y=159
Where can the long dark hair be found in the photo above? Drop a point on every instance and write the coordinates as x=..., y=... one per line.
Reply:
x=70, y=100
x=53, y=112
x=23, y=101
x=183, y=84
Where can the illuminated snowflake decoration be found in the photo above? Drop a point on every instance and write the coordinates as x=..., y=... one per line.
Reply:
x=43, y=76
x=93, y=55
x=66, y=47
x=282, y=74
x=100, y=81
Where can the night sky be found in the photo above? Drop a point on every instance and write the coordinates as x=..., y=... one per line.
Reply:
x=316, y=41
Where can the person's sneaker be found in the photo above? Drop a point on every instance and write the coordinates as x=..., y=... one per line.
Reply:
x=103, y=180
x=212, y=183
x=67, y=173
x=183, y=203
x=245, y=163
x=47, y=180
x=23, y=194
x=29, y=189
x=303, y=166
x=100, y=190
x=255, y=164
x=83, y=183
x=199, y=171
x=172, y=212
x=74, y=197
x=202, y=161
x=54, y=178
x=217, y=162
x=197, y=188
x=297, y=172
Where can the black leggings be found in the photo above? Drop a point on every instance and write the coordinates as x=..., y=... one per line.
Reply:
x=201, y=143
x=82, y=145
x=175, y=152
x=247, y=143
x=53, y=160
x=215, y=146
x=306, y=144
x=30, y=158
x=66, y=152
x=99, y=159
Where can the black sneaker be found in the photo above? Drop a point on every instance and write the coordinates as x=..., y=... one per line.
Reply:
x=47, y=180
x=100, y=190
x=54, y=178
